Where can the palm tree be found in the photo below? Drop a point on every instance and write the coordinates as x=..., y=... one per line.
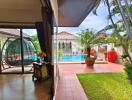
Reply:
x=89, y=38
x=124, y=8
x=124, y=24
x=124, y=18
x=126, y=43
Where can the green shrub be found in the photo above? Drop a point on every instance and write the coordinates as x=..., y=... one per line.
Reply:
x=128, y=69
x=60, y=54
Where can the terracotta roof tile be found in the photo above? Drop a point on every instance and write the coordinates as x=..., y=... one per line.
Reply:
x=66, y=35
x=13, y=32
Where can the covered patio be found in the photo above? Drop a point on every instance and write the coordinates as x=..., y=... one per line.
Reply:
x=44, y=15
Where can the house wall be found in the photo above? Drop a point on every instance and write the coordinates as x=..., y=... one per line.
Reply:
x=101, y=49
x=75, y=46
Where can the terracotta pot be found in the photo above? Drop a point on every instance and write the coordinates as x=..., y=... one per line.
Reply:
x=89, y=62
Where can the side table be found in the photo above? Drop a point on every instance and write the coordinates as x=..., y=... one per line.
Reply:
x=38, y=71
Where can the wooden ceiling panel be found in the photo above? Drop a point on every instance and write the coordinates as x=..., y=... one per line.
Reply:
x=20, y=11
x=20, y=4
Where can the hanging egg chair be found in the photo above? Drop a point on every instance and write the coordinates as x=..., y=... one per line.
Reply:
x=12, y=52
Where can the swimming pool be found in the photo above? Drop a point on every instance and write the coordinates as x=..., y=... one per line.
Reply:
x=72, y=58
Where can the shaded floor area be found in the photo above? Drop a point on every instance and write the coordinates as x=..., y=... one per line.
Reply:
x=21, y=87
x=69, y=87
x=17, y=69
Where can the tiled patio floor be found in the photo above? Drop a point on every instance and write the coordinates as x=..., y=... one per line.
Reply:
x=69, y=87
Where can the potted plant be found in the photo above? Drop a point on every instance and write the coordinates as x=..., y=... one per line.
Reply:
x=41, y=56
x=88, y=39
x=90, y=58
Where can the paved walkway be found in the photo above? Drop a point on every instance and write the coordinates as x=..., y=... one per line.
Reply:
x=69, y=87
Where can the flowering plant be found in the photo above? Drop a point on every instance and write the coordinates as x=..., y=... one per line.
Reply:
x=41, y=54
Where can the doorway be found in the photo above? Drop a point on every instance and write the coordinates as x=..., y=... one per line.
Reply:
x=17, y=52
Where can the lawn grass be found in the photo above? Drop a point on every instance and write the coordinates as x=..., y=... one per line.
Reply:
x=106, y=86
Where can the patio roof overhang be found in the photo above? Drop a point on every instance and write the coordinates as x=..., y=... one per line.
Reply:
x=68, y=13
x=71, y=13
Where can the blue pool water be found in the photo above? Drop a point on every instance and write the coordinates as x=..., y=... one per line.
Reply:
x=62, y=58
x=72, y=58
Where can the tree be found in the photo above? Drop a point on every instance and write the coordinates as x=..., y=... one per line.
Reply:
x=124, y=9
x=89, y=38
x=36, y=43
x=121, y=7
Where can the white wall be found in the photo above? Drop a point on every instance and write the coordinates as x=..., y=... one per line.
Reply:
x=76, y=46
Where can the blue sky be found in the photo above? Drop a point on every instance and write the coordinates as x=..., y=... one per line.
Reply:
x=30, y=31
x=91, y=21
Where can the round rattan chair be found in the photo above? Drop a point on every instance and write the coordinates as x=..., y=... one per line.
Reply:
x=12, y=52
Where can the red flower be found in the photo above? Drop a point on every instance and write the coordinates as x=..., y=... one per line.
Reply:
x=41, y=54
x=112, y=56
